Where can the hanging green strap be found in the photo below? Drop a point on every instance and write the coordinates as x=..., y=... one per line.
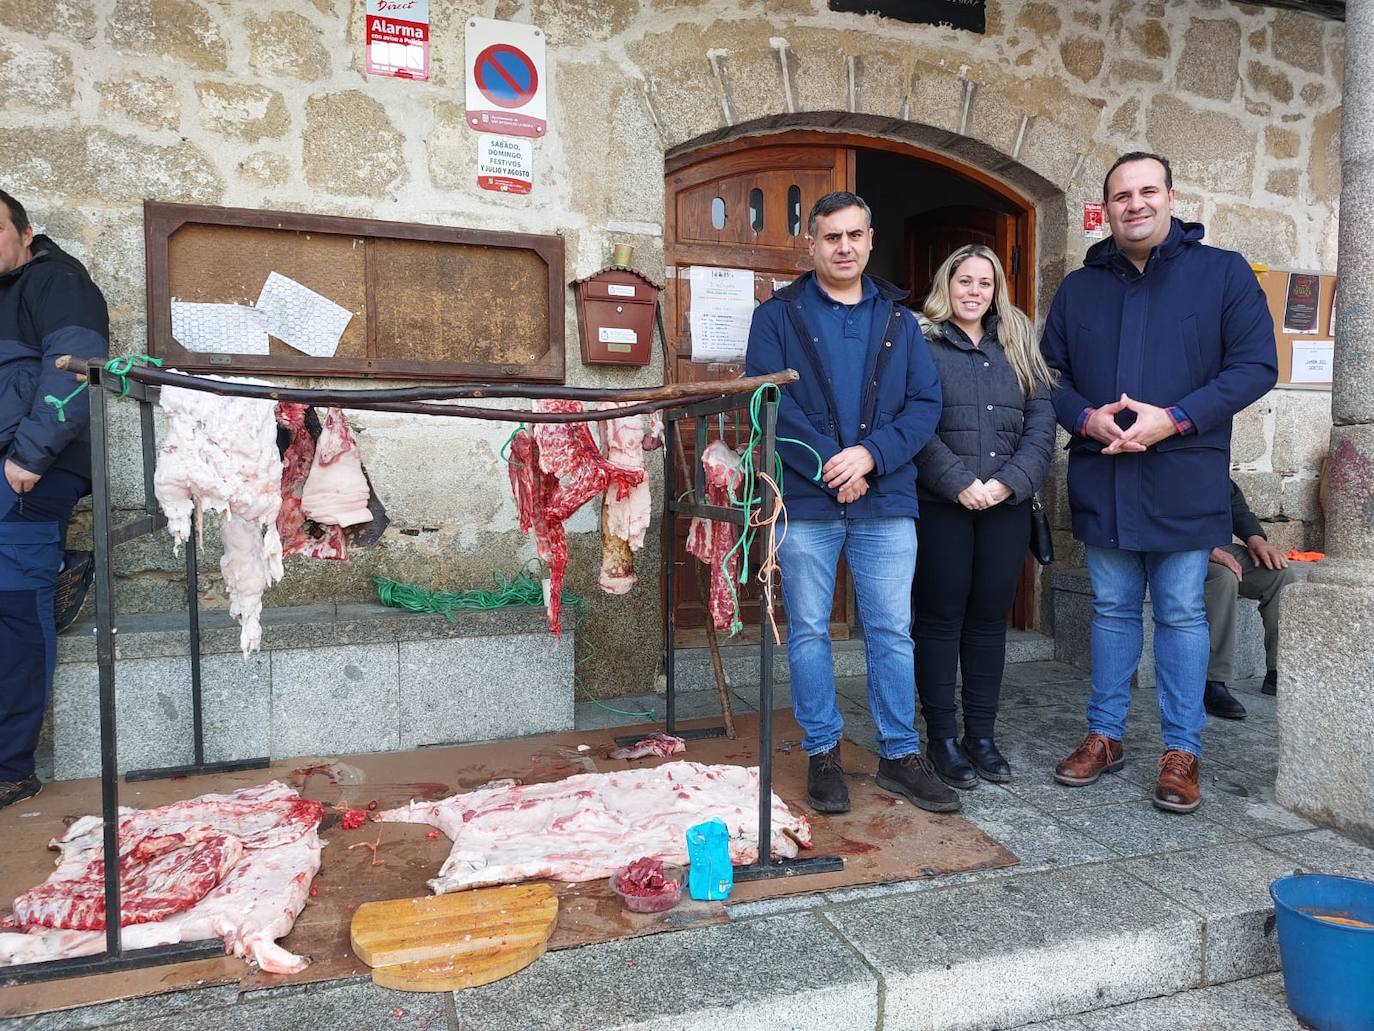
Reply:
x=117, y=367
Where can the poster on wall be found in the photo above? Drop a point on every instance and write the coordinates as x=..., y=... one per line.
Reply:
x=722, y=308
x=1300, y=305
x=398, y=38
x=1094, y=220
x=506, y=80
x=505, y=164
x=957, y=14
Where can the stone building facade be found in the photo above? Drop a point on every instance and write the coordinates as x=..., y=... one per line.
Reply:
x=265, y=104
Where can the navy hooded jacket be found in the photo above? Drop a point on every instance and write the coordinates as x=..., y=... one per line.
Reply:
x=48, y=307
x=898, y=411
x=1193, y=331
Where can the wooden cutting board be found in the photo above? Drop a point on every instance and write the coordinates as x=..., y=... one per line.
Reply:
x=442, y=943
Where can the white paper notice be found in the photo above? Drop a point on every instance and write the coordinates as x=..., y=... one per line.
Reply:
x=1312, y=361
x=219, y=328
x=301, y=318
x=722, y=306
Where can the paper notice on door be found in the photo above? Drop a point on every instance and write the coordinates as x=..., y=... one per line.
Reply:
x=722, y=307
x=1312, y=361
x=219, y=328
x=301, y=318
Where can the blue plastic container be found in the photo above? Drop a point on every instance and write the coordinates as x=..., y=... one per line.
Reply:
x=1328, y=967
x=708, y=847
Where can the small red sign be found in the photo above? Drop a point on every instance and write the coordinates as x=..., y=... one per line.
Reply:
x=1094, y=222
x=398, y=38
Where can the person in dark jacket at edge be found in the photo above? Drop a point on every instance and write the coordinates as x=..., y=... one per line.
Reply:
x=1255, y=570
x=975, y=481
x=48, y=307
x=848, y=432
x=1159, y=341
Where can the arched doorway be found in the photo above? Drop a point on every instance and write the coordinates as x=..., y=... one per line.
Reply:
x=742, y=204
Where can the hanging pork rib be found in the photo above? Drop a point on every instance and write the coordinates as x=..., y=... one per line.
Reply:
x=710, y=540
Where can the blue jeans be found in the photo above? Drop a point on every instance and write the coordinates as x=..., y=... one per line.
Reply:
x=32, y=533
x=882, y=558
x=1181, y=642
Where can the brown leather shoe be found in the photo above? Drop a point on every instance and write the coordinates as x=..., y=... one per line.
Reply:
x=1177, y=789
x=1098, y=754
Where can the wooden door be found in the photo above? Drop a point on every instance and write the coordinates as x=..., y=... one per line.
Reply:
x=933, y=236
x=744, y=209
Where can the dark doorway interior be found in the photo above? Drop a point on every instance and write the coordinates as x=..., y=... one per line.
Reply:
x=921, y=207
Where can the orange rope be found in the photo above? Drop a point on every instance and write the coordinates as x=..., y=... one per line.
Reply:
x=769, y=565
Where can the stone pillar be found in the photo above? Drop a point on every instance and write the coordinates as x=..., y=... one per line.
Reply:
x=1326, y=651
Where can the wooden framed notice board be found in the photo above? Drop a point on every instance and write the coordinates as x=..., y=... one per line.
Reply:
x=362, y=297
x=1302, y=305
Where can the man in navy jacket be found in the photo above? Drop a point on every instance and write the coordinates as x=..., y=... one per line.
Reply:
x=848, y=432
x=48, y=307
x=1159, y=341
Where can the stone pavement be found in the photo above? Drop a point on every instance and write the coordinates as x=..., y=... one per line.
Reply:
x=1119, y=916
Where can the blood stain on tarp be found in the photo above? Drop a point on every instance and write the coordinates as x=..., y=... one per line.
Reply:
x=850, y=847
x=428, y=787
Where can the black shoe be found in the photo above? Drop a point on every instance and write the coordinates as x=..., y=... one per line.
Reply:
x=12, y=791
x=1271, y=682
x=913, y=777
x=73, y=584
x=826, y=791
x=1218, y=700
x=951, y=765
x=986, y=759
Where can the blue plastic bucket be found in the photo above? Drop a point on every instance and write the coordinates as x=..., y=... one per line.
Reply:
x=1328, y=966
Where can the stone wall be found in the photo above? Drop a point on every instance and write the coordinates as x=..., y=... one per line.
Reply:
x=264, y=104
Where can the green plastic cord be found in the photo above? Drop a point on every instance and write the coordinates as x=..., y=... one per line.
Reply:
x=117, y=367
x=524, y=588
x=750, y=497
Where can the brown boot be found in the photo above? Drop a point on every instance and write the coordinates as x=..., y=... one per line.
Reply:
x=1177, y=789
x=1098, y=754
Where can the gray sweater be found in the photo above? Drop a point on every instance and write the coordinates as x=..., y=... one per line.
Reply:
x=989, y=429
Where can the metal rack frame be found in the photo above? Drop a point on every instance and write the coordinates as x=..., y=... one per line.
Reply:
x=765, y=867
x=143, y=385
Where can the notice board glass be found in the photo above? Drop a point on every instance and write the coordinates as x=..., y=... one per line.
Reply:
x=1300, y=301
x=427, y=302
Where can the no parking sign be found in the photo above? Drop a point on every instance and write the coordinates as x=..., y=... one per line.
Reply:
x=506, y=85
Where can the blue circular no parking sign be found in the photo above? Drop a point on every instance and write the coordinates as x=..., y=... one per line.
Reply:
x=505, y=75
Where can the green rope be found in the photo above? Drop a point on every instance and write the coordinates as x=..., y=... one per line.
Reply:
x=118, y=367
x=524, y=588
x=750, y=494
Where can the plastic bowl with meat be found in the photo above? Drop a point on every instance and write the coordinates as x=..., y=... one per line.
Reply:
x=647, y=886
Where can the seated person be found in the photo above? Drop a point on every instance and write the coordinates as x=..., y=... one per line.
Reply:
x=1255, y=570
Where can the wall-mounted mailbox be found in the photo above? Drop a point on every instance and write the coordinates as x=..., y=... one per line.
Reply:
x=615, y=310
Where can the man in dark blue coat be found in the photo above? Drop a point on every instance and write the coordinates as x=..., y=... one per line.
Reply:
x=48, y=307
x=848, y=433
x=1159, y=341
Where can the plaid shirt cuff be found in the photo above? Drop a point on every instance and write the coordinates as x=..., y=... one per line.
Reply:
x=1082, y=420
x=1182, y=423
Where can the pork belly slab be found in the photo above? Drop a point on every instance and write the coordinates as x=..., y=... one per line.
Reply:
x=592, y=824
x=236, y=866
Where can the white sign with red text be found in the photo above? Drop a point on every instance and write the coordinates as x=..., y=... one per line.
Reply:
x=398, y=38
x=505, y=164
x=506, y=82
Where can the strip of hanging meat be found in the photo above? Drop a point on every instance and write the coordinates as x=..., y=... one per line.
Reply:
x=710, y=540
x=625, y=520
x=315, y=540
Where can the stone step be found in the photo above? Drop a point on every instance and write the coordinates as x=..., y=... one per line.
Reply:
x=741, y=661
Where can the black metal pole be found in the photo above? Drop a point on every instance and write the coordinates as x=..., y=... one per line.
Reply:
x=768, y=505
x=670, y=558
x=148, y=436
x=105, y=656
x=193, y=610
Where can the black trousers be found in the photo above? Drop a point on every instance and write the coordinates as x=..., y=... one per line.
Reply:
x=967, y=567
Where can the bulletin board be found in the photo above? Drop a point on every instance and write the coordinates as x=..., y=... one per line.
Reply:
x=1287, y=310
x=420, y=301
